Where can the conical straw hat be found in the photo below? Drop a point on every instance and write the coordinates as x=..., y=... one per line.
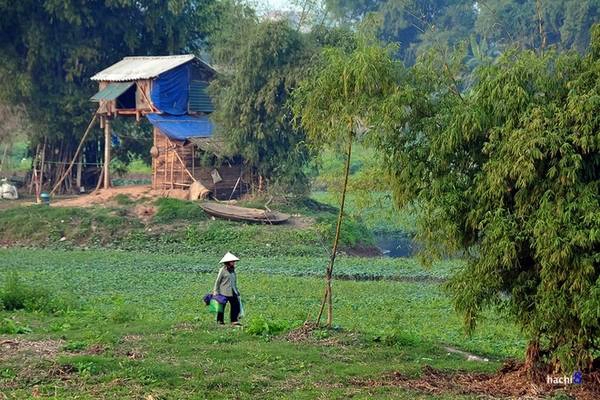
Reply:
x=229, y=257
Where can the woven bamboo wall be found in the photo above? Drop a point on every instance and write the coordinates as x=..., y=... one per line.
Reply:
x=175, y=162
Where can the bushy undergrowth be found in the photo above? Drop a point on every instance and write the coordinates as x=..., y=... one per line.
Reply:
x=11, y=327
x=352, y=231
x=261, y=326
x=170, y=210
x=45, y=225
x=15, y=294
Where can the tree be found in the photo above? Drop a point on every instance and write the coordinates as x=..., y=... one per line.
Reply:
x=420, y=25
x=264, y=67
x=51, y=48
x=414, y=24
x=340, y=101
x=534, y=24
x=507, y=176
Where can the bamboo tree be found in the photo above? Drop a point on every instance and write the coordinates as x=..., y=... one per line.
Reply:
x=507, y=177
x=341, y=100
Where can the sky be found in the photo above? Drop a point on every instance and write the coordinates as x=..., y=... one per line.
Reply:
x=272, y=4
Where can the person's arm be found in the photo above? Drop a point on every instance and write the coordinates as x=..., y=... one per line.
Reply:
x=218, y=282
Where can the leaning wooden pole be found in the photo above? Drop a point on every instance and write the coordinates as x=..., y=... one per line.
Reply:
x=107, y=148
x=328, y=297
x=87, y=131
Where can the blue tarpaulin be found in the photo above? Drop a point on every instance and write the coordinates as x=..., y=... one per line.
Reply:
x=170, y=90
x=182, y=127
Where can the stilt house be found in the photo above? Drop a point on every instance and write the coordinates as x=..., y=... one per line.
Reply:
x=171, y=93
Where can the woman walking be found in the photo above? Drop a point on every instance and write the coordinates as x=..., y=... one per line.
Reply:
x=226, y=285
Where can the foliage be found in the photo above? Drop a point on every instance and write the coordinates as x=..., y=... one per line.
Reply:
x=348, y=268
x=339, y=101
x=44, y=225
x=566, y=24
x=169, y=290
x=11, y=327
x=170, y=210
x=352, y=231
x=418, y=25
x=18, y=295
x=507, y=174
x=251, y=101
x=261, y=326
x=342, y=96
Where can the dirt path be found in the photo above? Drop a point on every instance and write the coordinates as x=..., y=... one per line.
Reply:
x=135, y=192
x=511, y=382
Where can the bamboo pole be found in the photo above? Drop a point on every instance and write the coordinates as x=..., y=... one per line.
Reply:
x=166, y=164
x=42, y=166
x=100, y=179
x=78, y=172
x=328, y=297
x=107, y=148
x=154, y=160
x=87, y=131
x=4, y=156
x=33, y=167
x=172, y=162
x=184, y=166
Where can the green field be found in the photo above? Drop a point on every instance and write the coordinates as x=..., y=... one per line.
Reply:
x=132, y=324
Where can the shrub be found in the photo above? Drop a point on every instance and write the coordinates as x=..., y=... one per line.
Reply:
x=17, y=295
x=10, y=327
x=123, y=312
x=173, y=209
x=261, y=326
x=353, y=232
x=123, y=199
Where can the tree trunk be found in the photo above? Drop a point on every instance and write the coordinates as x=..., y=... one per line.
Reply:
x=533, y=361
x=328, y=297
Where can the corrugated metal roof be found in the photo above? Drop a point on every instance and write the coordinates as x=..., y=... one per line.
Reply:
x=112, y=91
x=199, y=99
x=134, y=68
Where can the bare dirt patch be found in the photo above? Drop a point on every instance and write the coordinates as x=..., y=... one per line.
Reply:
x=144, y=212
x=13, y=348
x=302, y=333
x=134, y=192
x=301, y=222
x=309, y=333
x=511, y=382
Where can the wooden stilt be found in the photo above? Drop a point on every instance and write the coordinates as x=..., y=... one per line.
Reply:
x=107, y=148
x=87, y=131
x=79, y=171
x=42, y=164
x=172, y=163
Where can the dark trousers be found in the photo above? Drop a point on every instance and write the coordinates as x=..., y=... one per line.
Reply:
x=234, y=310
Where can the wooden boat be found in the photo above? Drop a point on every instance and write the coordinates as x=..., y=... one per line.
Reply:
x=244, y=214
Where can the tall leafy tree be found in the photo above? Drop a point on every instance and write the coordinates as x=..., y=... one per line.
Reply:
x=263, y=65
x=534, y=24
x=420, y=25
x=413, y=24
x=340, y=101
x=507, y=176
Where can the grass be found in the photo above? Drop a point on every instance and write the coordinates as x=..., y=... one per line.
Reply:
x=178, y=226
x=144, y=313
x=42, y=225
x=171, y=210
